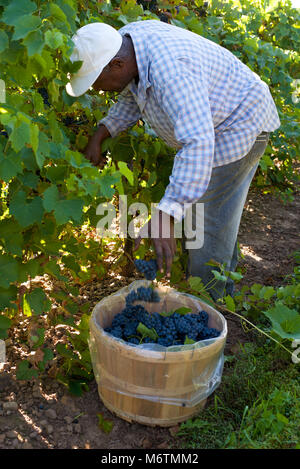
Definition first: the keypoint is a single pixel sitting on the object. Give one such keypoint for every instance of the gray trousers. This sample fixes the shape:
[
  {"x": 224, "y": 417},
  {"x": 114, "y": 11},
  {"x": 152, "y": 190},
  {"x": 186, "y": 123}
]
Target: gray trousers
[{"x": 224, "y": 201}]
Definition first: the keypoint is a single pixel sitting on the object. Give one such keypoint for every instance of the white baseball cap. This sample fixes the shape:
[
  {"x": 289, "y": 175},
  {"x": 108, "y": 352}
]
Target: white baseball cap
[{"x": 95, "y": 45}]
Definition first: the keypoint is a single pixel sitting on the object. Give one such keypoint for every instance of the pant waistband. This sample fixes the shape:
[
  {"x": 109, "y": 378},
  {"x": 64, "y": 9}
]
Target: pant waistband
[{"x": 263, "y": 136}]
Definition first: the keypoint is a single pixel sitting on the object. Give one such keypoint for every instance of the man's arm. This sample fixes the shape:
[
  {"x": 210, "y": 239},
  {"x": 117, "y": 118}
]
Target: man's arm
[
  {"x": 185, "y": 100},
  {"x": 93, "y": 149},
  {"x": 121, "y": 115}
]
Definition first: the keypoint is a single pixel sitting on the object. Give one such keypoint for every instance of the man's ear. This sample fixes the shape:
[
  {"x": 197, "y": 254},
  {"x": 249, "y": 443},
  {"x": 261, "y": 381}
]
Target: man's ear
[{"x": 117, "y": 62}]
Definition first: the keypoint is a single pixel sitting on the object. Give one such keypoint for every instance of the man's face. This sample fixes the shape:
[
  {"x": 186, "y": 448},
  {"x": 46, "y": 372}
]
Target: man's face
[{"x": 114, "y": 77}]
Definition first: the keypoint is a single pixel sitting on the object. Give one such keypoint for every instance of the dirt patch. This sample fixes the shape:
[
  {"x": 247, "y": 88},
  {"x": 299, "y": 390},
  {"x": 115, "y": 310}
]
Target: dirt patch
[{"x": 46, "y": 416}]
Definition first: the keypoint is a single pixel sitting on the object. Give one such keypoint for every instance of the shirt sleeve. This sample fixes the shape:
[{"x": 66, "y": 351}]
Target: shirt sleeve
[
  {"x": 121, "y": 115},
  {"x": 185, "y": 100}
]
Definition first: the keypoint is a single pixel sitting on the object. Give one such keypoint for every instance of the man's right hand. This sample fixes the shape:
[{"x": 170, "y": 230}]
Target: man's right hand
[{"x": 93, "y": 149}]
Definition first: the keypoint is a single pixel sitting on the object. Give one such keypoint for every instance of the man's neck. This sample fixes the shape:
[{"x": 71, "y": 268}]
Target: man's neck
[{"x": 130, "y": 46}]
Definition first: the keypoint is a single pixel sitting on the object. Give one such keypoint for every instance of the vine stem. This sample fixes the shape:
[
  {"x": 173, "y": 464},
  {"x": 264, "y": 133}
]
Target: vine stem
[
  {"x": 255, "y": 327},
  {"x": 223, "y": 308},
  {"x": 129, "y": 257}
]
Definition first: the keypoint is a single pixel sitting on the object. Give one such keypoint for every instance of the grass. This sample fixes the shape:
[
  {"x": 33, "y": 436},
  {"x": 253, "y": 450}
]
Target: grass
[{"x": 257, "y": 405}]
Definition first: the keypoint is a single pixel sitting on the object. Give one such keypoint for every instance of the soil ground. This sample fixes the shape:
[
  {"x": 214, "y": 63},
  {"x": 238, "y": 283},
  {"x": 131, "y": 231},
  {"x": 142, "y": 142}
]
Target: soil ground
[{"x": 44, "y": 415}]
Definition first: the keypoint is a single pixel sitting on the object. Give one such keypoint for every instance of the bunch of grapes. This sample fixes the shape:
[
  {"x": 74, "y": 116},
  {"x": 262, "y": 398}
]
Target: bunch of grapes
[
  {"x": 142, "y": 294},
  {"x": 148, "y": 268},
  {"x": 44, "y": 93},
  {"x": 170, "y": 330}
]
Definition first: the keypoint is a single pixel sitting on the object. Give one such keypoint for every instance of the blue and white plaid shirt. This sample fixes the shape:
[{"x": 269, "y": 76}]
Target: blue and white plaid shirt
[{"x": 199, "y": 98}]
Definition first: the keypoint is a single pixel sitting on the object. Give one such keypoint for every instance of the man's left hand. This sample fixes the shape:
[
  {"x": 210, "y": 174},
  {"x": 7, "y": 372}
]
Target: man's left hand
[{"x": 161, "y": 231}]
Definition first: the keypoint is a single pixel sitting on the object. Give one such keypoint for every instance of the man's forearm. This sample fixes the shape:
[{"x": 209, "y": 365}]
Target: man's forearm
[{"x": 102, "y": 133}]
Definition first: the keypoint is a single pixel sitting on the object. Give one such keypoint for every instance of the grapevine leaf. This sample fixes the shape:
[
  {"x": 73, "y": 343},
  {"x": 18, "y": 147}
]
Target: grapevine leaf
[
  {"x": 189, "y": 341},
  {"x": 285, "y": 321},
  {"x": 25, "y": 372},
  {"x": 57, "y": 13},
  {"x": 236, "y": 276},
  {"x": 106, "y": 184},
  {"x": 196, "y": 284},
  {"x": 3, "y": 41},
  {"x": 9, "y": 167},
  {"x": 126, "y": 172},
  {"x": 8, "y": 270},
  {"x": 5, "y": 322},
  {"x": 34, "y": 42},
  {"x": 229, "y": 303},
  {"x": 19, "y": 136},
  {"x": 50, "y": 198},
  {"x": 218, "y": 276},
  {"x": 104, "y": 425},
  {"x": 25, "y": 212},
  {"x": 38, "y": 301},
  {"x": 146, "y": 332},
  {"x": 7, "y": 296},
  {"x": 25, "y": 25},
  {"x": 17, "y": 9},
  {"x": 266, "y": 293},
  {"x": 183, "y": 310},
  {"x": 64, "y": 210},
  {"x": 54, "y": 39},
  {"x": 65, "y": 352}
]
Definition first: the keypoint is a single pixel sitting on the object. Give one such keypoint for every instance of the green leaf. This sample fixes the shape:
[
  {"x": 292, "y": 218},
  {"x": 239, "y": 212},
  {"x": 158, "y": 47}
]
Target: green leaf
[
  {"x": 218, "y": 276},
  {"x": 41, "y": 150},
  {"x": 104, "y": 425},
  {"x": 8, "y": 270},
  {"x": 26, "y": 307},
  {"x": 188, "y": 341},
  {"x": 266, "y": 293},
  {"x": 64, "y": 210},
  {"x": 19, "y": 136},
  {"x": 14, "y": 244},
  {"x": 5, "y": 322},
  {"x": 57, "y": 13},
  {"x": 25, "y": 372},
  {"x": 63, "y": 350},
  {"x": 3, "y": 41},
  {"x": 25, "y": 25},
  {"x": 54, "y": 38},
  {"x": 229, "y": 303},
  {"x": 38, "y": 301},
  {"x": 34, "y": 141},
  {"x": 106, "y": 183},
  {"x": 196, "y": 284},
  {"x": 10, "y": 166},
  {"x": 183, "y": 310},
  {"x": 146, "y": 332},
  {"x": 285, "y": 321},
  {"x": 255, "y": 289},
  {"x": 34, "y": 42},
  {"x": 76, "y": 388},
  {"x": 17, "y": 9},
  {"x": 236, "y": 276},
  {"x": 126, "y": 172},
  {"x": 7, "y": 296},
  {"x": 25, "y": 212}
]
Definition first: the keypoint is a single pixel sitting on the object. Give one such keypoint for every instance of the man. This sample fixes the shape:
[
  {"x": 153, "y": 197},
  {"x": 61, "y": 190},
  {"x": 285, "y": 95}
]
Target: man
[{"x": 202, "y": 101}]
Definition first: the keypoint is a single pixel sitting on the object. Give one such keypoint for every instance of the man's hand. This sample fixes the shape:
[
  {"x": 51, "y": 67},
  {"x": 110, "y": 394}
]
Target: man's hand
[
  {"x": 161, "y": 231},
  {"x": 93, "y": 149}
]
